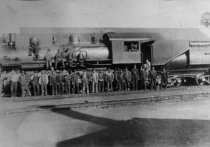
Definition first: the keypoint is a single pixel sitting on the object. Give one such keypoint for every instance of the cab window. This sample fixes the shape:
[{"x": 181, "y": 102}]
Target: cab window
[{"x": 131, "y": 46}]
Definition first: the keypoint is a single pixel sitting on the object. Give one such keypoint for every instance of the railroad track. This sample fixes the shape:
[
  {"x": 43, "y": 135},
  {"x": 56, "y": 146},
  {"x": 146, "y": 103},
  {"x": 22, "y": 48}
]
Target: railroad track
[{"x": 107, "y": 103}]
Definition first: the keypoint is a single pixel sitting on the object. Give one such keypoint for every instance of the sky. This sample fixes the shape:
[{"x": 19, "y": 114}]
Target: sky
[{"x": 102, "y": 13}]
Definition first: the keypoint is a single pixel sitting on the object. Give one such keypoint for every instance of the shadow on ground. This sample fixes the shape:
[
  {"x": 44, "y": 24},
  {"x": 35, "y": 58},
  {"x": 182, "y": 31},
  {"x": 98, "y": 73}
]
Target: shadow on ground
[{"x": 138, "y": 131}]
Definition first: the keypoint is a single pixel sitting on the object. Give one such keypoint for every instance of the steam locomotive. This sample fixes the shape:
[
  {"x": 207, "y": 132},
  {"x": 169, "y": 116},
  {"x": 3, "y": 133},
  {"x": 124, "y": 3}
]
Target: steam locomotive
[
  {"x": 185, "y": 60},
  {"x": 27, "y": 52}
]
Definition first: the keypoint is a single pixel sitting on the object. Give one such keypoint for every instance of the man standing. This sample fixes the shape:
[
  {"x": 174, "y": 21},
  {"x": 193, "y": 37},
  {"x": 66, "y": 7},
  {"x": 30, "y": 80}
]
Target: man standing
[
  {"x": 58, "y": 58},
  {"x": 135, "y": 77},
  {"x": 148, "y": 65},
  {"x": 53, "y": 82},
  {"x": 85, "y": 82},
  {"x": 24, "y": 85},
  {"x": 35, "y": 80},
  {"x": 121, "y": 79},
  {"x": 7, "y": 83},
  {"x": 14, "y": 80},
  {"x": 143, "y": 77},
  {"x": 153, "y": 77},
  {"x": 101, "y": 81},
  {"x": 74, "y": 81},
  {"x": 44, "y": 82},
  {"x": 70, "y": 56},
  {"x": 67, "y": 82},
  {"x": 59, "y": 80},
  {"x": 110, "y": 78},
  {"x": 1, "y": 82},
  {"x": 95, "y": 82},
  {"x": 116, "y": 80},
  {"x": 48, "y": 58},
  {"x": 127, "y": 76},
  {"x": 164, "y": 78}
]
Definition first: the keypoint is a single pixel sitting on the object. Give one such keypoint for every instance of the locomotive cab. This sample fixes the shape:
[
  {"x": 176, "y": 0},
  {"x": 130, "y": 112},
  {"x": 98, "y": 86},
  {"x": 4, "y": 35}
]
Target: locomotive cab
[{"x": 131, "y": 48}]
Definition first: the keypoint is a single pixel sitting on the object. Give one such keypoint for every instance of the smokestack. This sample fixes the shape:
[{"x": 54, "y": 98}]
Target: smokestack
[
  {"x": 12, "y": 37},
  {"x": 11, "y": 42}
]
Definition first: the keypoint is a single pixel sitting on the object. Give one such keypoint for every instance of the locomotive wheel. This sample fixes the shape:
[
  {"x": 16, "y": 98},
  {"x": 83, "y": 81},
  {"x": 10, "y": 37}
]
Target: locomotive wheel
[
  {"x": 208, "y": 80},
  {"x": 178, "y": 83},
  {"x": 199, "y": 81}
]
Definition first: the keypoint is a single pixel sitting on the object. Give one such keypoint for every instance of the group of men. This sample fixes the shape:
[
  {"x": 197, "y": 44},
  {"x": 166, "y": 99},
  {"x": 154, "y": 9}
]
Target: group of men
[
  {"x": 63, "y": 56},
  {"x": 57, "y": 82}
]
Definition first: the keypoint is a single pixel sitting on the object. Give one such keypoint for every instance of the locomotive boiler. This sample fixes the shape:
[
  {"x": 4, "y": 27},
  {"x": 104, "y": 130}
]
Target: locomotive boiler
[
  {"x": 90, "y": 56},
  {"x": 94, "y": 53}
]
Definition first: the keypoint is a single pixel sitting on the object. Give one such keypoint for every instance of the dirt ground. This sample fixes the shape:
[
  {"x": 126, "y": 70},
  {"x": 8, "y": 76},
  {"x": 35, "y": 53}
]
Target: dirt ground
[{"x": 158, "y": 124}]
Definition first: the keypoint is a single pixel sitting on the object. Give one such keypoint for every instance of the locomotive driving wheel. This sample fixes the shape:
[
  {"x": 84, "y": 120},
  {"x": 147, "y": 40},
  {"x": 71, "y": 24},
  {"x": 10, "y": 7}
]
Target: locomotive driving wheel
[
  {"x": 175, "y": 81},
  {"x": 199, "y": 80},
  {"x": 178, "y": 82}
]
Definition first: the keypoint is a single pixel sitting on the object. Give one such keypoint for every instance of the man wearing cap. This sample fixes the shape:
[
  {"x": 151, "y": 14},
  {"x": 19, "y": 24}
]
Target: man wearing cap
[
  {"x": 116, "y": 80},
  {"x": 24, "y": 84},
  {"x": 143, "y": 77},
  {"x": 95, "y": 81},
  {"x": 59, "y": 80},
  {"x": 74, "y": 81},
  {"x": 44, "y": 82},
  {"x": 127, "y": 77},
  {"x": 14, "y": 81},
  {"x": 53, "y": 82},
  {"x": 121, "y": 79},
  {"x": 164, "y": 78},
  {"x": 101, "y": 81},
  {"x": 153, "y": 77},
  {"x": 148, "y": 65},
  {"x": 85, "y": 82},
  {"x": 110, "y": 78},
  {"x": 58, "y": 58},
  {"x": 67, "y": 81},
  {"x": 1, "y": 82},
  {"x": 48, "y": 57},
  {"x": 135, "y": 77},
  {"x": 35, "y": 81}
]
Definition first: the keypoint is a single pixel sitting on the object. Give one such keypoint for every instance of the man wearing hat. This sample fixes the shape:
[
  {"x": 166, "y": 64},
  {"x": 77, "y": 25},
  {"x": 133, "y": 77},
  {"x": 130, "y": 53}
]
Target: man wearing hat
[
  {"x": 101, "y": 81},
  {"x": 95, "y": 81},
  {"x": 74, "y": 81},
  {"x": 44, "y": 82},
  {"x": 59, "y": 80},
  {"x": 164, "y": 78},
  {"x": 153, "y": 77},
  {"x": 135, "y": 77},
  {"x": 48, "y": 57},
  {"x": 127, "y": 75},
  {"x": 143, "y": 77},
  {"x": 35, "y": 81},
  {"x": 67, "y": 81},
  {"x": 85, "y": 82},
  {"x": 24, "y": 84},
  {"x": 53, "y": 82}
]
